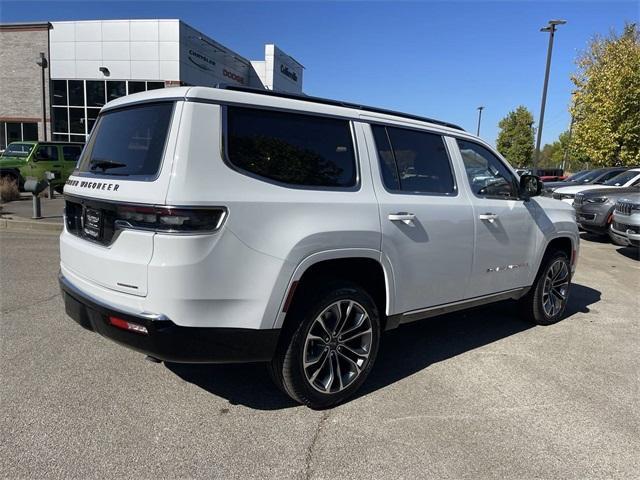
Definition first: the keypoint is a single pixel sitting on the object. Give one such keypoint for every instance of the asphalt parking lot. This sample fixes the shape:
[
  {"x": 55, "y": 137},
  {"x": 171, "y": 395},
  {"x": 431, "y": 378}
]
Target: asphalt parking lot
[{"x": 471, "y": 395}]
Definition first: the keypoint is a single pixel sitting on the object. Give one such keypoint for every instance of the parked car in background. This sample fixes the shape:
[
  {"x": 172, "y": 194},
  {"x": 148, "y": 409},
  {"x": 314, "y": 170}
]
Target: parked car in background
[
  {"x": 227, "y": 225},
  {"x": 629, "y": 178},
  {"x": 30, "y": 160},
  {"x": 586, "y": 177},
  {"x": 625, "y": 228},
  {"x": 523, "y": 171},
  {"x": 594, "y": 208}
]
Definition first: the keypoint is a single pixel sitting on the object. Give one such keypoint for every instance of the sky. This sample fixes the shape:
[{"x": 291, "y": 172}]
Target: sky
[{"x": 437, "y": 59}]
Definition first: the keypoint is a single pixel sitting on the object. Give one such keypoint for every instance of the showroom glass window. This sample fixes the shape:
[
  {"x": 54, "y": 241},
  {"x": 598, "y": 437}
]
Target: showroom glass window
[
  {"x": 17, "y": 132},
  {"x": 413, "y": 161},
  {"x": 76, "y": 104},
  {"x": 291, "y": 148}
]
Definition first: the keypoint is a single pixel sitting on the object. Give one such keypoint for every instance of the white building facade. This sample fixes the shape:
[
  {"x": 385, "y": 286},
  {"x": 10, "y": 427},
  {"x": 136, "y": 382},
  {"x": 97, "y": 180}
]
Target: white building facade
[{"x": 93, "y": 62}]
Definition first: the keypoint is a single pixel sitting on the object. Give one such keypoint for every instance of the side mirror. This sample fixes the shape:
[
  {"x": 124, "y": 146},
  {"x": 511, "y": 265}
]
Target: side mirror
[{"x": 530, "y": 186}]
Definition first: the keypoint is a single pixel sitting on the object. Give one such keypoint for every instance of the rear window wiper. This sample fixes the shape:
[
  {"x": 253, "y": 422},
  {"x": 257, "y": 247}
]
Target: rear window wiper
[{"x": 105, "y": 164}]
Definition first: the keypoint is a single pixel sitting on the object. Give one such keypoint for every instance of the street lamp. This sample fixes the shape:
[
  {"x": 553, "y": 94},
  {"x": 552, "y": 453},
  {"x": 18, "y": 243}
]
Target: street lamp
[
  {"x": 480, "y": 108},
  {"x": 551, "y": 28},
  {"x": 42, "y": 62}
]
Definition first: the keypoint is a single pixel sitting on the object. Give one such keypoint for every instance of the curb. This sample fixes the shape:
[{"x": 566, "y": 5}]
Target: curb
[{"x": 12, "y": 224}]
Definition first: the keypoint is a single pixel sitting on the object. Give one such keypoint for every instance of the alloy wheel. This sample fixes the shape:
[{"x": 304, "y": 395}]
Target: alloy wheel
[
  {"x": 337, "y": 346},
  {"x": 556, "y": 288}
]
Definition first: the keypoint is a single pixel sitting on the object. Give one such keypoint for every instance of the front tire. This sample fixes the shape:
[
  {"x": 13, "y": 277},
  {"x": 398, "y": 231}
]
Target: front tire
[
  {"x": 330, "y": 352},
  {"x": 546, "y": 301}
]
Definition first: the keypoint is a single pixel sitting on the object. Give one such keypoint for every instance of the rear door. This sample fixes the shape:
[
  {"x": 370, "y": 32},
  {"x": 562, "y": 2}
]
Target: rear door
[
  {"x": 426, "y": 221},
  {"x": 504, "y": 227},
  {"x": 123, "y": 173}
]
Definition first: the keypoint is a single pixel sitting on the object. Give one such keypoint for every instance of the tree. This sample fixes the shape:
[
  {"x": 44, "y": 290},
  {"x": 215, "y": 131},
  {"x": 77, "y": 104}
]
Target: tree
[
  {"x": 552, "y": 155},
  {"x": 606, "y": 103},
  {"x": 515, "y": 140}
]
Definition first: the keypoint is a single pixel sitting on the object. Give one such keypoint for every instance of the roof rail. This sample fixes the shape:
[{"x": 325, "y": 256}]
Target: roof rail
[{"x": 338, "y": 103}]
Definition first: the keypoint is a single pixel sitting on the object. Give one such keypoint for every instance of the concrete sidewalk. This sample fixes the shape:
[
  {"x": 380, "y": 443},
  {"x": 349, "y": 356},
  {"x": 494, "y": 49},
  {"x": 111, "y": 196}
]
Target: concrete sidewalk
[{"x": 18, "y": 214}]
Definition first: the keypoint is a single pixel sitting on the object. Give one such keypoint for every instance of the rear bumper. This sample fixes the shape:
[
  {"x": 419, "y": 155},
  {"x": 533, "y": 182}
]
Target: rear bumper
[{"x": 167, "y": 341}]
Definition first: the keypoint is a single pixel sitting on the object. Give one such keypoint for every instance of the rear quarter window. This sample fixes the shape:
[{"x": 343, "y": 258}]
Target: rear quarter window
[
  {"x": 128, "y": 141},
  {"x": 291, "y": 148}
]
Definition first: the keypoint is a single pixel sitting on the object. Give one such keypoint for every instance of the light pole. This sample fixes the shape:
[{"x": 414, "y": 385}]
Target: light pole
[
  {"x": 480, "y": 108},
  {"x": 42, "y": 62},
  {"x": 551, "y": 28}
]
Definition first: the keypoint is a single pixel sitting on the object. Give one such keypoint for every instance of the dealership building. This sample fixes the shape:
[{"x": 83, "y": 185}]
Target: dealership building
[{"x": 55, "y": 76}]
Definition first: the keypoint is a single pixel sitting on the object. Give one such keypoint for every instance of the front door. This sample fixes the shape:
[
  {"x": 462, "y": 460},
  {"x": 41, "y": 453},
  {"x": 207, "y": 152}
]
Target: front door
[
  {"x": 504, "y": 226},
  {"x": 426, "y": 221},
  {"x": 46, "y": 159}
]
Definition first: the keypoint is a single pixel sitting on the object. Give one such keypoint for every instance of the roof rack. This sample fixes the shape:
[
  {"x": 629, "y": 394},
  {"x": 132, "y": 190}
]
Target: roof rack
[{"x": 337, "y": 103}]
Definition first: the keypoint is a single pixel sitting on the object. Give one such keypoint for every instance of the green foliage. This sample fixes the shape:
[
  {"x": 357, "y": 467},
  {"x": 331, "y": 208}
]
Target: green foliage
[
  {"x": 552, "y": 155},
  {"x": 606, "y": 104},
  {"x": 515, "y": 140}
]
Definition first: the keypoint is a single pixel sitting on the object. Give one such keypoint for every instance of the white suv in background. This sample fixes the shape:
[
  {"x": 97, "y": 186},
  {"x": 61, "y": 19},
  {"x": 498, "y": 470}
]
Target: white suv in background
[
  {"x": 230, "y": 225},
  {"x": 625, "y": 228}
]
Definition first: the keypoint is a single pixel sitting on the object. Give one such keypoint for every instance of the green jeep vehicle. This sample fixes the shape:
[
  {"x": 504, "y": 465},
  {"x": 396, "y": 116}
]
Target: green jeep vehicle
[{"x": 23, "y": 161}]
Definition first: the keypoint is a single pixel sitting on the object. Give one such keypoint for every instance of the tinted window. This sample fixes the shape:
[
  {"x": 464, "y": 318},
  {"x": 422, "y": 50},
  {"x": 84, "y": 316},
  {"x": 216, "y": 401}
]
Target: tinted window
[
  {"x": 116, "y": 90},
  {"x": 76, "y": 92},
  {"x": 608, "y": 176},
  {"x": 29, "y": 131},
  {"x": 388, "y": 168},
  {"x": 47, "y": 153},
  {"x": 76, "y": 120},
  {"x": 488, "y": 177},
  {"x": 413, "y": 161},
  {"x": 95, "y": 93},
  {"x": 59, "y": 92},
  {"x": 135, "y": 87},
  {"x": 622, "y": 178},
  {"x": 291, "y": 148},
  {"x": 129, "y": 141},
  {"x": 71, "y": 153}
]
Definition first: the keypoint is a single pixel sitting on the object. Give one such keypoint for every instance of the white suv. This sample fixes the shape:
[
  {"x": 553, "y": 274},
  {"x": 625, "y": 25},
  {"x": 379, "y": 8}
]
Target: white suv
[
  {"x": 625, "y": 228},
  {"x": 228, "y": 225}
]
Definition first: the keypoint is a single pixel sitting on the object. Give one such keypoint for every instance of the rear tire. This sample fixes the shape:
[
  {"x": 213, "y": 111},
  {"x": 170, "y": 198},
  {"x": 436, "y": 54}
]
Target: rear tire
[
  {"x": 329, "y": 353},
  {"x": 545, "y": 303}
]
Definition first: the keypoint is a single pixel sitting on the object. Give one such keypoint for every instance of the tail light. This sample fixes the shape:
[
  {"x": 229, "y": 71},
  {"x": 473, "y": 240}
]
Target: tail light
[{"x": 170, "y": 219}]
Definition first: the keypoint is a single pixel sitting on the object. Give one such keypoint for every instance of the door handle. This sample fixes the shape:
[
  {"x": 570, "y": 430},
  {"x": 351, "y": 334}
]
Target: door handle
[
  {"x": 490, "y": 217},
  {"x": 406, "y": 218}
]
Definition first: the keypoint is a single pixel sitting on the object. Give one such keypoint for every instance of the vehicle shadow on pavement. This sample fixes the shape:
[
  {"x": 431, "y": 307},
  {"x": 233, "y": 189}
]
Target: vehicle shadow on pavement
[
  {"x": 630, "y": 252},
  {"x": 403, "y": 352}
]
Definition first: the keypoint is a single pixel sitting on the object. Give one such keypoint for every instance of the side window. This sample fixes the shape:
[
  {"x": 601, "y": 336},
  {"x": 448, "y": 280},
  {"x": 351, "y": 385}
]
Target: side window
[
  {"x": 488, "y": 177},
  {"x": 292, "y": 148},
  {"x": 609, "y": 175},
  {"x": 71, "y": 154},
  {"x": 47, "y": 153},
  {"x": 413, "y": 161}
]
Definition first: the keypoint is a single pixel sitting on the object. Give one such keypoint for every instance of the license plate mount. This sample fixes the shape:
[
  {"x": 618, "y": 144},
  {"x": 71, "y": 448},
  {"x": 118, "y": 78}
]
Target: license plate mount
[{"x": 92, "y": 225}]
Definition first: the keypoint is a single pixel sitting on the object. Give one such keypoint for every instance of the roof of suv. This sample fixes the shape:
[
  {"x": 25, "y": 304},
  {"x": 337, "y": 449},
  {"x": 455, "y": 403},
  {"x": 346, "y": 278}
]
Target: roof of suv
[{"x": 266, "y": 98}]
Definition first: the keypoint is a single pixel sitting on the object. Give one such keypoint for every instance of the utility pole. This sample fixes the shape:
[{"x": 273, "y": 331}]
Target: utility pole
[
  {"x": 551, "y": 28},
  {"x": 480, "y": 108}
]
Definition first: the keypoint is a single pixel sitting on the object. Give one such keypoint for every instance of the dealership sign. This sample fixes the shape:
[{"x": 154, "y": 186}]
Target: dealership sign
[
  {"x": 233, "y": 76},
  {"x": 284, "y": 69},
  {"x": 201, "y": 61}
]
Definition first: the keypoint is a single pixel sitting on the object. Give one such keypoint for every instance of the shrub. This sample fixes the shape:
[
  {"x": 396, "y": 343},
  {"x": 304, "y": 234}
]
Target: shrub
[{"x": 9, "y": 189}]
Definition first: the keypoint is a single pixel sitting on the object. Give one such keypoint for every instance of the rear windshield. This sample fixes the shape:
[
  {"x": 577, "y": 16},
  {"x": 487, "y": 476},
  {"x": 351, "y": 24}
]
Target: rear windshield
[{"x": 128, "y": 141}]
